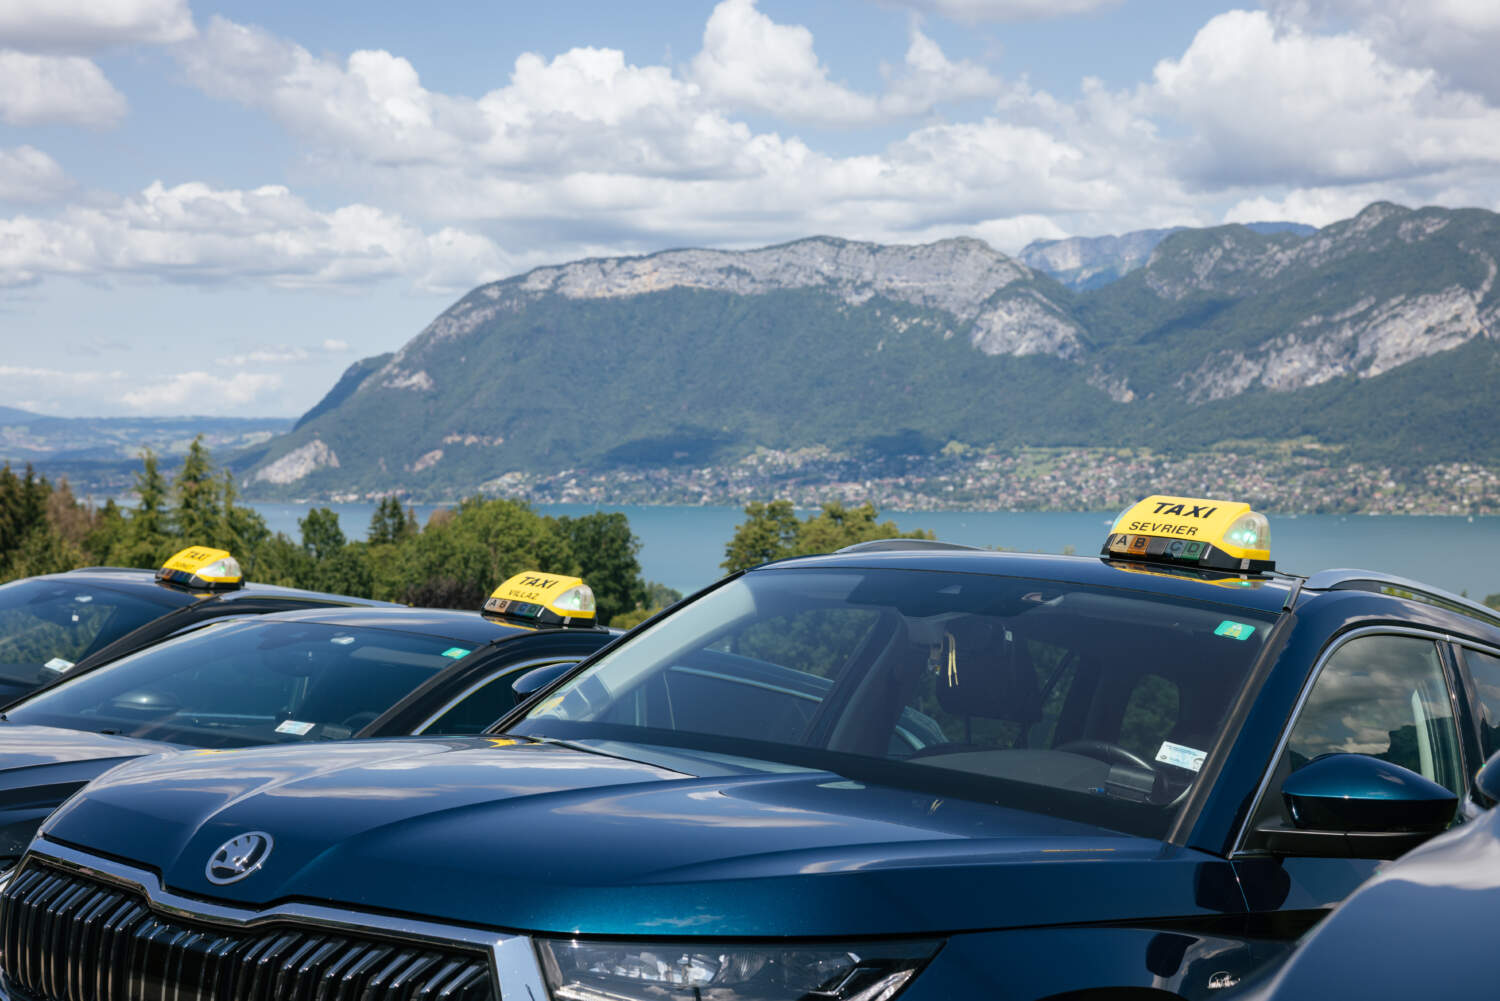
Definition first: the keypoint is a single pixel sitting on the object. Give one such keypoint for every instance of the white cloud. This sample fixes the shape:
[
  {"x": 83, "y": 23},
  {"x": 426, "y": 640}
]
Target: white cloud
[
  {"x": 1456, "y": 38},
  {"x": 1314, "y": 206},
  {"x": 263, "y": 356},
  {"x": 69, "y": 377},
  {"x": 930, "y": 78},
  {"x": 29, "y": 175},
  {"x": 334, "y": 346},
  {"x": 1003, "y": 10},
  {"x": 199, "y": 392},
  {"x": 37, "y": 90},
  {"x": 1288, "y": 107},
  {"x": 80, "y": 25},
  {"x": 748, "y": 60},
  {"x": 372, "y": 105},
  {"x": 194, "y": 233},
  {"x": 583, "y": 153}
]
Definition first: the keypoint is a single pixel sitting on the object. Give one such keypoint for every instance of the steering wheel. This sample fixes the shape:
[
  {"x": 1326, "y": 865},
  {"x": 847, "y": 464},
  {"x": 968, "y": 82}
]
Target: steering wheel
[{"x": 1110, "y": 754}]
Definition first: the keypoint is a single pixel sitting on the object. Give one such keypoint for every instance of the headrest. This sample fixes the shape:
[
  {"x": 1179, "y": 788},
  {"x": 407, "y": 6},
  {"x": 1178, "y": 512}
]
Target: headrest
[{"x": 983, "y": 669}]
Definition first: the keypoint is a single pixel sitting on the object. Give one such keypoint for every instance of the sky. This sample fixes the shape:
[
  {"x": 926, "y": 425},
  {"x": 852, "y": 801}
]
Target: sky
[{"x": 215, "y": 208}]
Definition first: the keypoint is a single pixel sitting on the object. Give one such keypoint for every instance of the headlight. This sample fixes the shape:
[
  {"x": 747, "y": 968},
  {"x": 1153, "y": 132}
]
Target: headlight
[{"x": 635, "y": 971}]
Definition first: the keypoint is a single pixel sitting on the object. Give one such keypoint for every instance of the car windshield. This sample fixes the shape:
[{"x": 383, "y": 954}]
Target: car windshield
[
  {"x": 1096, "y": 704},
  {"x": 48, "y": 624},
  {"x": 249, "y": 682}
]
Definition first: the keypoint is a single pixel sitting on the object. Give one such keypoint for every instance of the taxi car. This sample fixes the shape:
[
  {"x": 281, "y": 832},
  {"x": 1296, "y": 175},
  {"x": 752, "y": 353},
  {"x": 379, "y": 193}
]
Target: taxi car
[
  {"x": 1141, "y": 774},
  {"x": 284, "y": 677},
  {"x": 1422, "y": 927},
  {"x": 67, "y": 623}
]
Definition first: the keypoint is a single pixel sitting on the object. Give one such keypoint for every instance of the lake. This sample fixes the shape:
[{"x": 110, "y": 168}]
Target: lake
[{"x": 682, "y": 546}]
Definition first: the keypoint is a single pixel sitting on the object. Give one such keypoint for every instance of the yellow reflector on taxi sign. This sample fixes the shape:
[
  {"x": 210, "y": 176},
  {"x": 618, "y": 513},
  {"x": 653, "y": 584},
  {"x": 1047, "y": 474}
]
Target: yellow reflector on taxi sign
[
  {"x": 1224, "y": 535},
  {"x": 204, "y": 568},
  {"x": 543, "y": 599}
]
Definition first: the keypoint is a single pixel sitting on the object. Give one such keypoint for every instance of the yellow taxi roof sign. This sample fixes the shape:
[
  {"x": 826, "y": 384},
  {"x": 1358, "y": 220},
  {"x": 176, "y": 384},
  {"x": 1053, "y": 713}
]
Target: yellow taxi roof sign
[
  {"x": 543, "y": 599},
  {"x": 202, "y": 567},
  {"x": 1194, "y": 531}
]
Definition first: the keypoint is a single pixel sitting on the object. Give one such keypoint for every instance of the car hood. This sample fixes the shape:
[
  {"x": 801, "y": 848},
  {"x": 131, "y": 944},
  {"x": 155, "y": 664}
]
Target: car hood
[
  {"x": 551, "y": 838},
  {"x": 40, "y": 766}
]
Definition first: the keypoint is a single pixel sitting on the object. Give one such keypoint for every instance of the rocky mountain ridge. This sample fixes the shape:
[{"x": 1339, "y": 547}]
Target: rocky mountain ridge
[
  {"x": 1089, "y": 262},
  {"x": 692, "y": 356}
]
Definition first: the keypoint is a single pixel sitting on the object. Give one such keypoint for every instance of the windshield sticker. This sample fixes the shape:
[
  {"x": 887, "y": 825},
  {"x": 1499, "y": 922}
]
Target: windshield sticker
[
  {"x": 1182, "y": 757},
  {"x": 296, "y": 728},
  {"x": 456, "y": 652},
  {"x": 1234, "y": 630},
  {"x": 58, "y": 664}
]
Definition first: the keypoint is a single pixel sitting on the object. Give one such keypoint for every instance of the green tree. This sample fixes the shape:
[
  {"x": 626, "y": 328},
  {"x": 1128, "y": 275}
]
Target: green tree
[
  {"x": 107, "y": 534},
  {"x": 390, "y": 524},
  {"x": 836, "y": 526},
  {"x": 322, "y": 537},
  {"x": 197, "y": 514},
  {"x": 769, "y": 532},
  {"x": 773, "y": 531},
  {"x": 23, "y": 508},
  {"x": 244, "y": 528},
  {"x": 605, "y": 551},
  {"x": 658, "y": 597},
  {"x": 464, "y": 554}
]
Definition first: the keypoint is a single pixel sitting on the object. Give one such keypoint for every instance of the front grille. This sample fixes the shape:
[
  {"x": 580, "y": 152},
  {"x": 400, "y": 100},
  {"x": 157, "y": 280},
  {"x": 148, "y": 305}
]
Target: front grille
[{"x": 66, "y": 937}]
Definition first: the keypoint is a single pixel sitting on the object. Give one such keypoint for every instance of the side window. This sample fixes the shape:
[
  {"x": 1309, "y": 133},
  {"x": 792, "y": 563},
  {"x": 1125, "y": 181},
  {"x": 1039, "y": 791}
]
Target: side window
[
  {"x": 1485, "y": 670},
  {"x": 481, "y": 706},
  {"x": 1384, "y": 696}
]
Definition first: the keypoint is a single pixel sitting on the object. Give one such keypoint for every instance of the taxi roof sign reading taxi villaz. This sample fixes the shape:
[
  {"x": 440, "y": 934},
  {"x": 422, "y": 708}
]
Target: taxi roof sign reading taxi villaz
[
  {"x": 543, "y": 599},
  {"x": 1192, "y": 531},
  {"x": 202, "y": 568}
]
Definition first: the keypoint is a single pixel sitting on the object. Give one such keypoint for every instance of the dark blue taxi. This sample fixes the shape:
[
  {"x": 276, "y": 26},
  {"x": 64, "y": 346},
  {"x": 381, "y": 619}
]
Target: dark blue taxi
[
  {"x": 65, "y": 624},
  {"x": 932, "y": 773},
  {"x": 1422, "y": 927}
]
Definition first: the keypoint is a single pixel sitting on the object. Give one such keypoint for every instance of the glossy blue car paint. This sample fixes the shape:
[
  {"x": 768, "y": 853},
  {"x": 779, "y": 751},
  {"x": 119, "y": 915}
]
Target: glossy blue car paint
[
  {"x": 40, "y": 766},
  {"x": 634, "y": 841},
  {"x": 1423, "y": 927}
]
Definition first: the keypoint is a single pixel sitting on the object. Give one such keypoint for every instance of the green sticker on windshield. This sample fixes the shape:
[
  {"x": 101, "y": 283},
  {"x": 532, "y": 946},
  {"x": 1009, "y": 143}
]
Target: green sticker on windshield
[
  {"x": 1234, "y": 630},
  {"x": 456, "y": 652}
]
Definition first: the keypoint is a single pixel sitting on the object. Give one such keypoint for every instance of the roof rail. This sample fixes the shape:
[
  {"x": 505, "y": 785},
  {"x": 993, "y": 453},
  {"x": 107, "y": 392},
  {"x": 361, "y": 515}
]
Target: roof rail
[
  {"x": 900, "y": 545},
  {"x": 1340, "y": 580}
]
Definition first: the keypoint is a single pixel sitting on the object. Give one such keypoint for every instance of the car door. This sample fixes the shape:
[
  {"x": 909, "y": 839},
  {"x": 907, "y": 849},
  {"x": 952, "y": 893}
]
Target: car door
[{"x": 1383, "y": 692}]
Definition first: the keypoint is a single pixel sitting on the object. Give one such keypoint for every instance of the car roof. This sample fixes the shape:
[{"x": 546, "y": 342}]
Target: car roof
[
  {"x": 1263, "y": 592},
  {"x": 460, "y": 624},
  {"x": 135, "y": 579}
]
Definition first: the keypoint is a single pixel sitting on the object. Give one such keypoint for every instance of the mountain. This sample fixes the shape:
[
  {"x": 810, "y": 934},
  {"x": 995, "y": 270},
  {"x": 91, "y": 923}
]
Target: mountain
[
  {"x": 102, "y": 454},
  {"x": 1089, "y": 262},
  {"x": 1376, "y": 336}
]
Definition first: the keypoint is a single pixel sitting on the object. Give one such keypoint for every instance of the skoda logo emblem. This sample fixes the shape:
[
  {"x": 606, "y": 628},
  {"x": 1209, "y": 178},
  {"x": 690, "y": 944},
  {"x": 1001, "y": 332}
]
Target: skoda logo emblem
[{"x": 238, "y": 858}]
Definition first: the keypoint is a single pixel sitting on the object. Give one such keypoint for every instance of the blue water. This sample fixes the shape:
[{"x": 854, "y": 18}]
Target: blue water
[{"x": 682, "y": 546}]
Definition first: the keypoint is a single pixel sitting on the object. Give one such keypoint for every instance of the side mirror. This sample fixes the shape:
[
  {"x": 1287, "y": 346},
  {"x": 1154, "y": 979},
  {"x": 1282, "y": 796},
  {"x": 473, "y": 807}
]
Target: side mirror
[
  {"x": 1357, "y": 806},
  {"x": 538, "y": 678},
  {"x": 1488, "y": 779}
]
